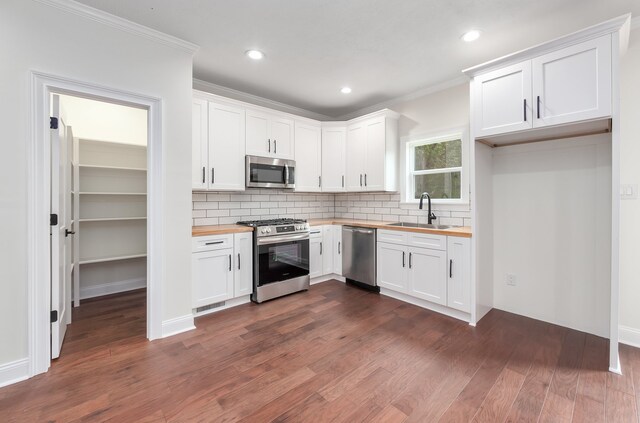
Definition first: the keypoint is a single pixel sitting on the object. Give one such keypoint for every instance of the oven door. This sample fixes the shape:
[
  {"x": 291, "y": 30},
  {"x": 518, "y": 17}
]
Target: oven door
[
  {"x": 279, "y": 258},
  {"x": 263, "y": 172}
]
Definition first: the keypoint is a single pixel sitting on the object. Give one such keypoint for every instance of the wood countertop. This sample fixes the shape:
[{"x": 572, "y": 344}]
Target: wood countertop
[
  {"x": 462, "y": 231},
  {"x": 219, "y": 230}
]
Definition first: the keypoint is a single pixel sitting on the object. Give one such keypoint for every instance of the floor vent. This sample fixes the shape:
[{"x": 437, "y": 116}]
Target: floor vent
[{"x": 210, "y": 306}]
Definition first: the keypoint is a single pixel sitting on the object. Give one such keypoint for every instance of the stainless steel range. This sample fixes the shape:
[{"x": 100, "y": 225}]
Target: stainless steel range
[{"x": 280, "y": 257}]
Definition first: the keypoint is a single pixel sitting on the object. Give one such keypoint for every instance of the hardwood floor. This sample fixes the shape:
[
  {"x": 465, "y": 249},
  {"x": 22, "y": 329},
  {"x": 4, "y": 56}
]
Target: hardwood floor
[{"x": 333, "y": 354}]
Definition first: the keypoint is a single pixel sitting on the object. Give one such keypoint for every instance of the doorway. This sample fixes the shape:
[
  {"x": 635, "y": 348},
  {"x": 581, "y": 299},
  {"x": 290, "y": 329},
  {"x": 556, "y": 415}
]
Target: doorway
[{"x": 40, "y": 228}]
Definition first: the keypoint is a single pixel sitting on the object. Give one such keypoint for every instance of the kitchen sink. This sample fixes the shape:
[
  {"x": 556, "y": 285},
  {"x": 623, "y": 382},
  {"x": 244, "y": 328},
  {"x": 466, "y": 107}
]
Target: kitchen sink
[{"x": 422, "y": 225}]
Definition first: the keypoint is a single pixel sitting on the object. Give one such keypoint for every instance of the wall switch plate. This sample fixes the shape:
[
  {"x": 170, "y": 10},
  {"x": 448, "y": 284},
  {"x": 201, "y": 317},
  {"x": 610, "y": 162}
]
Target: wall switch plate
[
  {"x": 511, "y": 279},
  {"x": 629, "y": 192}
]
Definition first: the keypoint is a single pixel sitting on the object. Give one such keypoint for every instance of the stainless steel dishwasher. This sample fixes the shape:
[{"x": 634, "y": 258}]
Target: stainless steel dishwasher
[{"x": 359, "y": 256}]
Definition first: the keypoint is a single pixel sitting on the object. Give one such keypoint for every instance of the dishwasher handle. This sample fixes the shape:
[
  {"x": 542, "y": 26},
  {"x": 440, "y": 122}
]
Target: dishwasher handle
[{"x": 358, "y": 230}]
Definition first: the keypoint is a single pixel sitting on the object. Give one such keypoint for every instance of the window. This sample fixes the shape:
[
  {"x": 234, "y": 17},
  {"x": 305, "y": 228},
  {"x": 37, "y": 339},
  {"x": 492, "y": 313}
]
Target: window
[{"x": 437, "y": 165}]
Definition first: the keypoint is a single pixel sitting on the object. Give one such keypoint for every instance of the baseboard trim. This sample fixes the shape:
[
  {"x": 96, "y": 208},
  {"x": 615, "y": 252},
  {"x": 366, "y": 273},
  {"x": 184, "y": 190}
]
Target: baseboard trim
[
  {"x": 331, "y": 276},
  {"x": 629, "y": 336},
  {"x": 460, "y": 315},
  {"x": 111, "y": 288},
  {"x": 14, "y": 372},
  {"x": 177, "y": 325}
]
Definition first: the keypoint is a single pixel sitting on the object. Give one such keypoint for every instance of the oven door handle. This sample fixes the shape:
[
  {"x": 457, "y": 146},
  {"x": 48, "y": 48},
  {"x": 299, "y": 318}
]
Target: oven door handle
[{"x": 279, "y": 239}]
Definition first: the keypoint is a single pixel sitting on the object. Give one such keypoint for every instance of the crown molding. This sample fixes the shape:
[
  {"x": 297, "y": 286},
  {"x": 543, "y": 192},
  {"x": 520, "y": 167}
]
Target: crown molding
[
  {"x": 219, "y": 90},
  {"x": 407, "y": 97},
  {"x": 117, "y": 22}
]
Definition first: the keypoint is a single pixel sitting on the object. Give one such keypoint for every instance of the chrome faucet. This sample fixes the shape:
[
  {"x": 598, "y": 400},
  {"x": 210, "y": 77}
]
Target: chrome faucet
[{"x": 430, "y": 216}]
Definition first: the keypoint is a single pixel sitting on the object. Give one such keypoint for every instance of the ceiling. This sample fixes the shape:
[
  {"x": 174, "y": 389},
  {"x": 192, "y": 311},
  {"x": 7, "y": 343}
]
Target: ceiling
[{"x": 381, "y": 49}]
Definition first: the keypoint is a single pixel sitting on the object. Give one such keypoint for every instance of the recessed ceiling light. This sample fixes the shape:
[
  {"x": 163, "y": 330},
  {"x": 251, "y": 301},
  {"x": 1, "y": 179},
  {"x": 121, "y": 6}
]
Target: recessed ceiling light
[
  {"x": 254, "y": 54},
  {"x": 345, "y": 90},
  {"x": 472, "y": 35}
]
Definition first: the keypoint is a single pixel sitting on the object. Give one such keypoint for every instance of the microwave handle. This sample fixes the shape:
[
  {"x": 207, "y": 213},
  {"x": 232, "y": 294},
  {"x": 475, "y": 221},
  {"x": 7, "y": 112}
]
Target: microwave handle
[{"x": 286, "y": 174}]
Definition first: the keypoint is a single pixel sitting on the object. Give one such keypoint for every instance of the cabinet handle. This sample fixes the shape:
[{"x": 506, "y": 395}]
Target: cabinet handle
[
  {"x": 213, "y": 175},
  {"x": 525, "y": 109},
  {"x": 342, "y": 181},
  {"x": 365, "y": 179},
  {"x": 269, "y": 140},
  {"x": 361, "y": 179},
  {"x": 229, "y": 262},
  {"x": 275, "y": 147},
  {"x": 538, "y": 100},
  {"x": 213, "y": 242},
  {"x": 321, "y": 248},
  {"x": 238, "y": 261},
  {"x": 410, "y": 260},
  {"x": 451, "y": 268},
  {"x": 403, "y": 259},
  {"x": 339, "y": 247},
  {"x": 203, "y": 172},
  {"x": 319, "y": 181}
]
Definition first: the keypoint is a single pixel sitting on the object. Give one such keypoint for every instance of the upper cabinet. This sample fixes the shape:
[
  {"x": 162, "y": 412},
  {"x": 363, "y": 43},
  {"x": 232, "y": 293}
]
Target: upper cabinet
[
  {"x": 269, "y": 135},
  {"x": 566, "y": 85},
  {"x": 199, "y": 144},
  {"x": 372, "y": 153},
  {"x": 334, "y": 159},
  {"x": 308, "y": 148}
]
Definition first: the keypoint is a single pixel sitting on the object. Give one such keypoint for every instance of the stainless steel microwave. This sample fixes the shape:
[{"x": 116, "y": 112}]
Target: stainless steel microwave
[{"x": 265, "y": 172}]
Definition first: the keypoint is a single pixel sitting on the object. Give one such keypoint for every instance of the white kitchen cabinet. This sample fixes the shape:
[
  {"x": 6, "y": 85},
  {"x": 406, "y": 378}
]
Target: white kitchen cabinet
[
  {"x": 327, "y": 249},
  {"x": 212, "y": 277},
  {"x": 573, "y": 84},
  {"x": 269, "y": 135},
  {"x": 502, "y": 100},
  {"x": 391, "y": 266},
  {"x": 337, "y": 249},
  {"x": 372, "y": 154},
  {"x": 316, "y": 264},
  {"x": 427, "y": 275},
  {"x": 243, "y": 268},
  {"x": 199, "y": 144},
  {"x": 226, "y": 147},
  {"x": 459, "y": 273},
  {"x": 334, "y": 141},
  {"x": 308, "y": 152}
]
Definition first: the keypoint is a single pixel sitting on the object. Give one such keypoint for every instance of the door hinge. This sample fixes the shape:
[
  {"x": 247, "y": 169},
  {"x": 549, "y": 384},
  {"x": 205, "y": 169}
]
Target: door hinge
[
  {"x": 53, "y": 219},
  {"x": 53, "y": 122},
  {"x": 54, "y": 316}
]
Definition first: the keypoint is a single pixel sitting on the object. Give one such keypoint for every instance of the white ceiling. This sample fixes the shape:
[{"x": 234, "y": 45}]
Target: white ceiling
[{"x": 382, "y": 49}]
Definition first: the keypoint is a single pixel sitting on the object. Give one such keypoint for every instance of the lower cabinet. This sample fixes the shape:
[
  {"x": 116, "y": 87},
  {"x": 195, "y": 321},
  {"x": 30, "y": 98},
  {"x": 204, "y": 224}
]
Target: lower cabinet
[
  {"x": 315, "y": 252},
  {"x": 325, "y": 250},
  {"x": 337, "y": 249},
  {"x": 427, "y": 277},
  {"x": 391, "y": 265},
  {"x": 222, "y": 268},
  {"x": 459, "y": 273}
]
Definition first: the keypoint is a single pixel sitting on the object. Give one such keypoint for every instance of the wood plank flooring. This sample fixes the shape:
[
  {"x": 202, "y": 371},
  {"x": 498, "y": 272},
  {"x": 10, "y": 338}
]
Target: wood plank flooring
[{"x": 332, "y": 354}]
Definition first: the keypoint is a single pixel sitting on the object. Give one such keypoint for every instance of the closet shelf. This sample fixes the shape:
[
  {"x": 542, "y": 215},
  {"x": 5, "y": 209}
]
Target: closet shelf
[
  {"x": 111, "y": 193},
  {"x": 112, "y": 219},
  {"x": 116, "y": 168},
  {"x": 90, "y": 260}
]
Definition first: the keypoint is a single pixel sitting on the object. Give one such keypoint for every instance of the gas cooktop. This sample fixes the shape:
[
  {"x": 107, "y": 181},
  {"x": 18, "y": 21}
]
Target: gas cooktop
[{"x": 271, "y": 222}]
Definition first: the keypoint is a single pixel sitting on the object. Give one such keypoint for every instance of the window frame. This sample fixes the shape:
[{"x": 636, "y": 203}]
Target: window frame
[{"x": 411, "y": 142}]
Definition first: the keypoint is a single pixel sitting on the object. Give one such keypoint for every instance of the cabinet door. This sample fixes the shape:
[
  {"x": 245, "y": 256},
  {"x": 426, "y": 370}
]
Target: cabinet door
[
  {"x": 243, "y": 268},
  {"x": 391, "y": 266},
  {"x": 459, "y": 273},
  {"x": 333, "y": 159},
  {"x": 315, "y": 257},
  {"x": 199, "y": 177},
  {"x": 258, "y": 142},
  {"x": 337, "y": 249},
  {"x": 502, "y": 100},
  {"x": 428, "y": 274},
  {"x": 212, "y": 277},
  {"x": 308, "y": 155},
  {"x": 327, "y": 249},
  {"x": 375, "y": 139},
  {"x": 356, "y": 157},
  {"x": 281, "y": 133},
  {"x": 573, "y": 84},
  {"x": 226, "y": 147}
]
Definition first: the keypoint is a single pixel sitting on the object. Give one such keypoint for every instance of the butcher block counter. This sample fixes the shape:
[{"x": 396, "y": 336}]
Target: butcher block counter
[{"x": 460, "y": 231}]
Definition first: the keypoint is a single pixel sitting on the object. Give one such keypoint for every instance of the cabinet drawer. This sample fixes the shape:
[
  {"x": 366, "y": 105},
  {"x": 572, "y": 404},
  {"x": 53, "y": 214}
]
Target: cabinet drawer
[
  {"x": 394, "y": 237},
  {"x": 210, "y": 243},
  {"x": 315, "y": 232},
  {"x": 435, "y": 242}
]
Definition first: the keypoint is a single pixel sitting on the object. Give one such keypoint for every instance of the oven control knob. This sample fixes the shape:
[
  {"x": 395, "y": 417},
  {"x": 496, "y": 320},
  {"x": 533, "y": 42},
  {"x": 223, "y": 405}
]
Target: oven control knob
[
  {"x": 268, "y": 230},
  {"x": 263, "y": 230}
]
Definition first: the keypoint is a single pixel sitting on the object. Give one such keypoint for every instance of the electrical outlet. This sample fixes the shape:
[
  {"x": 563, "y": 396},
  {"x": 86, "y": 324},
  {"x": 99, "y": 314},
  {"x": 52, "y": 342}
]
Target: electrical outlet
[
  {"x": 629, "y": 192},
  {"x": 511, "y": 279}
]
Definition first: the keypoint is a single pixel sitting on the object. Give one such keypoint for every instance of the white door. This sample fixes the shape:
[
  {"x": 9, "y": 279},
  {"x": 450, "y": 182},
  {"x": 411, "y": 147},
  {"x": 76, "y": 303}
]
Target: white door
[
  {"x": 282, "y": 137},
  {"x": 243, "y": 269},
  {"x": 61, "y": 255},
  {"x": 258, "y": 141},
  {"x": 356, "y": 157},
  {"x": 226, "y": 147},
  {"x": 375, "y": 157},
  {"x": 392, "y": 266},
  {"x": 315, "y": 255},
  {"x": 308, "y": 155},
  {"x": 428, "y": 274},
  {"x": 459, "y": 273},
  {"x": 503, "y": 100},
  {"x": 327, "y": 249},
  {"x": 76, "y": 222},
  {"x": 333, "y": 159},
  {"x": 199, "y": 145},
  {"x": 212, "y": 273},
  {"x": 573, "y": 84},
  {"x": 337, "y": 249}
]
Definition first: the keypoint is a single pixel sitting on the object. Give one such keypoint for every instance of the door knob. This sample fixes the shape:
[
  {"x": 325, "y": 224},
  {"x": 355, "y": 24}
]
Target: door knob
[{"x": 67, "y": 232}]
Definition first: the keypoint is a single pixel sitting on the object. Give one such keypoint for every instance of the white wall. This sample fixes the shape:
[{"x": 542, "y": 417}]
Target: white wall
[
  {"x": 551, "y": 227},
  {"x": 630, "y": 209},
  {"x": 43, "y": 38},
  {"x": 102, "y": 121}
]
